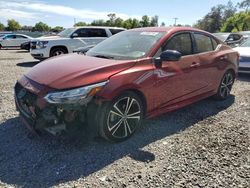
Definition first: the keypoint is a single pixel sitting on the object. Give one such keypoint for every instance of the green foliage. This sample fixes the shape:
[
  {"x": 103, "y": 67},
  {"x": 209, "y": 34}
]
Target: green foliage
[
  {"x": 244, "y": 5},
  {"x": 154, "y": 21},
  {"x": 57, "y": 29},
  {"x": 40, "y": 26},
  {"x": 237, "y": 22},
  {"x": 2, "y": 27},
  {"x": 213, "y": 21},
  {"x": 145, "y": 22},
  {"x": 13, "y": 25},
  {"x": 79, "y": 24}
]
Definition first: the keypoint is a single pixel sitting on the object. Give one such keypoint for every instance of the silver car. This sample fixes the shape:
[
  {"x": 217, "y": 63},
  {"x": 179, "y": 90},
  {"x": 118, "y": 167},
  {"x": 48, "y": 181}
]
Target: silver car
[
  {"x": 244, "y": 51},
  {"x": 13, "y": 40}
]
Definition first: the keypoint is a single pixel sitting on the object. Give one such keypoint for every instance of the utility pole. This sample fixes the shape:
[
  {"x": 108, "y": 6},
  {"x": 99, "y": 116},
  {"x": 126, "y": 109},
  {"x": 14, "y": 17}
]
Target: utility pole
[{"x": 175, "y": 19}]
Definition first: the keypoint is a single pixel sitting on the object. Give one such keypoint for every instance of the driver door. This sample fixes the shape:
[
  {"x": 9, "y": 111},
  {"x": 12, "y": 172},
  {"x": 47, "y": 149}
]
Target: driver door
[{"x": 178, "y": 80}]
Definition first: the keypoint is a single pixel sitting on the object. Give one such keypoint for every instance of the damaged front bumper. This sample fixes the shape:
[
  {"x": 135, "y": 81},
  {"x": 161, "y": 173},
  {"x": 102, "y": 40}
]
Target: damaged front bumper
[{"x": 38, "y": 114}]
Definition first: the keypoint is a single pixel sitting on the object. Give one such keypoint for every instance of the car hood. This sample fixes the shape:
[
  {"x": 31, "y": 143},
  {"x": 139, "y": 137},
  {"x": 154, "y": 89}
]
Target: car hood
[
  {"x": 74, "y": 70},
  {"x": 49, "y": 38},
  {"x": 243, "y": 51}
]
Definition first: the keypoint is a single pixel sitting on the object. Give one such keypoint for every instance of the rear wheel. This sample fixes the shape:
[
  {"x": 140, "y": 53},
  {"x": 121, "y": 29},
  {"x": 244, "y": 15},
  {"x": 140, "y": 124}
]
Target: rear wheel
[
  {"x": 121, "y": 118},
  {"x": 225, "y": 86},
  {"x": 57, "y": 52}
]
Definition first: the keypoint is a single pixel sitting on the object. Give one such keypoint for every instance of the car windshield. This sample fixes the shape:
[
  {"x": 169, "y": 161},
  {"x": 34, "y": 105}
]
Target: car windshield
[
  {"x": 66, "y": 32},
  {"x": 221, "y": 36},
  {"x": 246, "y": 43},
  {"x": 126, "y": 45}
]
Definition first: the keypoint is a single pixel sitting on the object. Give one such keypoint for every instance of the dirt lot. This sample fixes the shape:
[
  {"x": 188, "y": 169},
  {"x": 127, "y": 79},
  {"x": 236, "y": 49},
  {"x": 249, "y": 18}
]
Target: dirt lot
[{"x": 202, "y": 145}]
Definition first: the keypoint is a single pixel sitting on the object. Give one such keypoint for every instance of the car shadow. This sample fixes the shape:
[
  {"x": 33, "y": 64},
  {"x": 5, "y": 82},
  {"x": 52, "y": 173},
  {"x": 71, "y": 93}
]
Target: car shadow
[
  {"x": 22, "y": 51},
  {"x": 45, "y": 161},
  {"x": 244, "y": 77},
  {"x": 28, "y": 64}
]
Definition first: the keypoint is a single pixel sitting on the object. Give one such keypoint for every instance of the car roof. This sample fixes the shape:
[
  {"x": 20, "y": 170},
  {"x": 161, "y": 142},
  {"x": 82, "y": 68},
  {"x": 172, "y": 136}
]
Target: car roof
[
  {"x": 168, "y": 29},
  {"x": 99, "y": 27}
]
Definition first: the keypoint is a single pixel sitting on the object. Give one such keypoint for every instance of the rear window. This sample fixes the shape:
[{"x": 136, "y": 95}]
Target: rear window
[
  {"x": 203, "y": 43},
  {"x": 115, "y": 31}
]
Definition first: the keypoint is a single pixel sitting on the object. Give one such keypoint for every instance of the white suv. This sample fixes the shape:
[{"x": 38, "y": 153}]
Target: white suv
[{"x": 70, "y": 39}]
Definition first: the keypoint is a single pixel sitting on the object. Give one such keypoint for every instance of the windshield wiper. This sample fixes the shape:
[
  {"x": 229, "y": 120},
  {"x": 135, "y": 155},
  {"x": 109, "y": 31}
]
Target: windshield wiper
[{"x": 104, "y": 56}]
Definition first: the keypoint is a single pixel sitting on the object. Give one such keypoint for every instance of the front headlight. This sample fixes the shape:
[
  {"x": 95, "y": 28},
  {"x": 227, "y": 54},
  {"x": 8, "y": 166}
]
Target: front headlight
[
  {"x": 41, "y": 44},
  {"x": 79, "y": 95}
]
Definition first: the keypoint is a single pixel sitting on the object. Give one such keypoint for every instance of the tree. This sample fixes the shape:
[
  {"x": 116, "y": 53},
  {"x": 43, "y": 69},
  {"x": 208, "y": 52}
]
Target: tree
[
  {"x": 98, "y": 23},
  {"x": 214, "y": 20},
  {"x": 57, "y": 29},
  {"x": 154, "y": 21},
  {"x": 42, "y": 27},
  {"x": 163, "y": 24},
  {"x": 145, "y": 22},
  {"x": 244, "y": 5},
  {"x": 237, "y": 22},
  {"x": 26, "y": 28},
  {"x": 13, "y": 25},
  {"x": 118, "y": 22},
  {"x": 2, "y": 27},
  {"x": 78, "y": 24}
]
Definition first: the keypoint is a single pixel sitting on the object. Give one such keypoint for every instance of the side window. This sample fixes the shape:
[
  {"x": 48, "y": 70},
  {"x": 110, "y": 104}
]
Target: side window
[
  {"x": 215, "y": 44},
  {"x": 82, "y": 33},
  {"x": 97, "y": 33},
  {"x": 20, "y": 37},
  {"x": 203, "y": 43},
  {"x": 115, "y": 31},
  {"x": 181, "y": 42},
  {"x": 10, "y": 37},
  {"x": 236, "y": 37}
]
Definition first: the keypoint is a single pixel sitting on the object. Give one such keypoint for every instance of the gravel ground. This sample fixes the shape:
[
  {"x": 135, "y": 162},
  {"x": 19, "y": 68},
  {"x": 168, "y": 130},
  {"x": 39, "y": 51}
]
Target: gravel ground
[{"x": 202, "y": 145}]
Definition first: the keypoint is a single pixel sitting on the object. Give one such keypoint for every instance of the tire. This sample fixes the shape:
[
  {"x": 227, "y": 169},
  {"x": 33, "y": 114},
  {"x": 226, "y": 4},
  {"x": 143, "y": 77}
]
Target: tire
[
  {"x": 225, "y": 86},
  {"x": 119, "y": 119},
  {"x": 58, "y": 51}
]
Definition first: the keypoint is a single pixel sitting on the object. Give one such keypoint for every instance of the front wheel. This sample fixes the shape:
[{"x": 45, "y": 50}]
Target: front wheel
[
  {"x": 57, "y": 52},
  {"x": 225, "y": 86},
  {"x": 120, "y": 118}
]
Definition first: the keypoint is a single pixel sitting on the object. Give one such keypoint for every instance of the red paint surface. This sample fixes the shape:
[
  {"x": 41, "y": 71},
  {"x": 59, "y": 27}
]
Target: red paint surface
[{"x": 164, "y": 89}]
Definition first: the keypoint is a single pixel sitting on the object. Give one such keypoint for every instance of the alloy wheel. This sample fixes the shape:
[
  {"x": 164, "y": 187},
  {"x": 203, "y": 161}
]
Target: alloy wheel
[
  {"x": 226, "y": 85},
  {"x": 58, "y": 52},
  {"x": 124, "y": 117}
]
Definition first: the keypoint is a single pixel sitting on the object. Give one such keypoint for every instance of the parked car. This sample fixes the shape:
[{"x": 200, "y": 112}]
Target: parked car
[
  {"x": 70, "y": 39},
  {"x": 231, "y": 39},
  {"x": 136, "y": 74},
  {"x": 13, "y": 40},
  {"x": 83, "y": 50},
  {"x": 244, "y": 51},
  {"x": 25, "y": 46}
]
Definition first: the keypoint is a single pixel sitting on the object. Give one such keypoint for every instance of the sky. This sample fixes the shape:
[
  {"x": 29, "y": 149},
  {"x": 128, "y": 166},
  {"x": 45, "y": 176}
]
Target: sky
[{"x": 65, "y": 12}]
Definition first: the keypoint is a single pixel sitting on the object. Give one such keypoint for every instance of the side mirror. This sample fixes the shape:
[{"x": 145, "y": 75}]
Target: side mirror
[
  {"x": 168, "y": 55},
  {"x": 74, "y": 35}
]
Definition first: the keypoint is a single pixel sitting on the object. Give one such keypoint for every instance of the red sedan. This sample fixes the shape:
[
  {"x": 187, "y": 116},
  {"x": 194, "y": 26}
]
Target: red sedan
[{"x": 135, "y": 74}]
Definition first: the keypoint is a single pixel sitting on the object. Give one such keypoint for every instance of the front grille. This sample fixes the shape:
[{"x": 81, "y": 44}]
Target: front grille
[
  {"x": 33, "y": 45},
  {"x": 26, "y": 101},
  {"x": 244, "y": 58}
]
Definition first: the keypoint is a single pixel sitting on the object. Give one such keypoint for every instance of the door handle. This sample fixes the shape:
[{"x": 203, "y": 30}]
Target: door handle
[{"x": 195, "y": 64}]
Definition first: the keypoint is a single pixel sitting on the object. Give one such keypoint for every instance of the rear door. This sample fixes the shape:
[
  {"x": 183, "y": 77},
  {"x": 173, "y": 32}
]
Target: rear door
[{"x": 205, "y": 49}]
